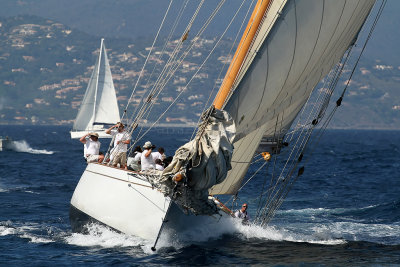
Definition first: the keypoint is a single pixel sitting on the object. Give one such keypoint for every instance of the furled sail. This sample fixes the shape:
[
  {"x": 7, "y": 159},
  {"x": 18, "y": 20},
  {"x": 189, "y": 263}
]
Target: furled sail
[
  {"x": 298, "y": 43},
  {"x": 99, "y": 105},
  {"x": 201, "y": 163}
]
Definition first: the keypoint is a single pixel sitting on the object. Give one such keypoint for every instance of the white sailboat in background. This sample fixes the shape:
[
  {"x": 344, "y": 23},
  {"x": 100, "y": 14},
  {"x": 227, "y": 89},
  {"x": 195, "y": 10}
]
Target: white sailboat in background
[
  {"x": 286, "y": 49},
  {"x": 99, "y": 107}
]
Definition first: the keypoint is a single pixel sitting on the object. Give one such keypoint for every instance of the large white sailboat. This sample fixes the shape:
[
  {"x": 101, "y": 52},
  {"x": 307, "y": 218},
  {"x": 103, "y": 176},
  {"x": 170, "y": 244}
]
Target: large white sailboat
[
  {"x": 287, "y": 47},
  {"x": 99, "y": 106}
]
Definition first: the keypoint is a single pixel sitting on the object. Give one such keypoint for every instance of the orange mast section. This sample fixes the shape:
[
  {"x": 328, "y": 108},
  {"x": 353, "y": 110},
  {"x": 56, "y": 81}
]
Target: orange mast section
[{"x": 241, "y": 51}]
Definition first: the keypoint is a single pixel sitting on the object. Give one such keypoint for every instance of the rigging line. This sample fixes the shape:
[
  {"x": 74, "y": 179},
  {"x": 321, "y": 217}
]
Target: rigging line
[
  {"x": 248, "y": 180},
  {"x": 192, "y": 76},
  {"x": 148, "y": 56},
  {"x": 174, "y": 66},
  {"x": 280, "y": 195},
  {"x": 287, "y": 190},
  {"x": 249, "y": 162},
  {"x": 275, "y": 130},
  {"x": 178, "y": 18},
  {"x": 272, "y": 180},
  {"x": 195, "y": 39},
  {"x": 284, "y": 190},
  {"x": 168, "y": 65},
  {"x": 286, "y": 179},
  {"x": 223, "y": 67},
  {"x": 327, "y": 96},
  {"x": 265, "y": 178},
  {"x": 365, "y": 43},
  {"x": 331, "y": 77},
  {"x": 192, "y": 44},
  {"x": 246, "y": 63}
]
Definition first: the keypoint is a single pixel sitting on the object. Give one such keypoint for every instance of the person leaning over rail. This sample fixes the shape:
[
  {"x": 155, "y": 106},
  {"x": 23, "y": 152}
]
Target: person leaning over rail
[
  {"x": 91, "y": 147},
  {"x": 121, "y": 141},
  {"x": 242, "y": 214}
]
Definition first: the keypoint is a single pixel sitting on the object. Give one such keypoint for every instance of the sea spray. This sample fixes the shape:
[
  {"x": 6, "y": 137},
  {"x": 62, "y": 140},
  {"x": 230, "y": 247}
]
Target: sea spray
[{"x": 23, "y": 146}]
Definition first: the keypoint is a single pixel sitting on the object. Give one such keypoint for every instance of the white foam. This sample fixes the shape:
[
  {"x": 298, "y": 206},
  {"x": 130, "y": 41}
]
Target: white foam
[
  {"x": 23, "y": 146},
  {"x": 25, "y": 231},
  {"x": 104, "y": 237},
  {"x": 36, "y": 239},
  {"x": 2, "y": 189},
  {"x": 356, "y": 229},
  {"x": 31, "y": 192},
  {"x": 6, "y": 230},
  {"x": 234, "y": 226}
]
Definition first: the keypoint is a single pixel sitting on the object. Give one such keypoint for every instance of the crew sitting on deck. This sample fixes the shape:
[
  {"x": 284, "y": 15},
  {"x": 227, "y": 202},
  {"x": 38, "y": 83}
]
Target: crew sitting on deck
[
  {"x": 159, "y": 154},
  {"x": 91, "y": 148},
  {"x": 134, "y": 159},
  {"x": 159, "y": 165}
]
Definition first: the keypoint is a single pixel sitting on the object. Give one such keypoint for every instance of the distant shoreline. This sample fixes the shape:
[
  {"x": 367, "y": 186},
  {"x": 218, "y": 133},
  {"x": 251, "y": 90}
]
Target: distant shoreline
[{"x": 193, "y": 126}]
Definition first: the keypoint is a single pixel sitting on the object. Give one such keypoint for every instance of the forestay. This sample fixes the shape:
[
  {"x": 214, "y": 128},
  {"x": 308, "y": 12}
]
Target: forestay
[{"x": 303, "y": 40}]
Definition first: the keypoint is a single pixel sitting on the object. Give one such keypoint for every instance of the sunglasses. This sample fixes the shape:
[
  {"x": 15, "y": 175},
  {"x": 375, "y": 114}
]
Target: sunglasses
[{"x": 244, "y": 206}]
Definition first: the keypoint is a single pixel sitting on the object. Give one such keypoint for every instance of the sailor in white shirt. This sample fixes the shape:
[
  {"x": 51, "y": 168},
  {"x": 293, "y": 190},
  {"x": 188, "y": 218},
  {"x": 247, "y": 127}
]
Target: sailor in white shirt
[
  {"x": 147, "y": 161},
  {"x": 91, "y": 147},
  {"x": 121, "y": 141}
]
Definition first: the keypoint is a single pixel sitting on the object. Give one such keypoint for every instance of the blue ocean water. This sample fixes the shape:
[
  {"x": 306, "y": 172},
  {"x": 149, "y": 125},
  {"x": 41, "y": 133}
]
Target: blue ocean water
[{"x": 343, "y": 211}]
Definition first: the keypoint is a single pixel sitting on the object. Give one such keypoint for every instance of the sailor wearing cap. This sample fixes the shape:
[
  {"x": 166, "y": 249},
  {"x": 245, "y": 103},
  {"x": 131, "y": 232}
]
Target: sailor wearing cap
[
  {"x": 91, "y": 147},
  {"x": 146, "y": 159},
  {"x": 121, "y": 142}
]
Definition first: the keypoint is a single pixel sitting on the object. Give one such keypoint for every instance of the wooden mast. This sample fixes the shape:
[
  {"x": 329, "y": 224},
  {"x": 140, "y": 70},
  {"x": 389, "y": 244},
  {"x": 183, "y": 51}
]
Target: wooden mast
[{"x": 241, "y": 51}]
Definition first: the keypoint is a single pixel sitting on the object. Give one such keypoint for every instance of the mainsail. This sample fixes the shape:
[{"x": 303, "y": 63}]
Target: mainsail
[
  {"x": 297, "y": 45},
  {"x": 99, "y": 105}
]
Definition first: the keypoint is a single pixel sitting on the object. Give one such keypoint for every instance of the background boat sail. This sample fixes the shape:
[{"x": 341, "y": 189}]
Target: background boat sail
[
  {"x": 286, "y": 49},
  {"x": 99, "y": 107}
]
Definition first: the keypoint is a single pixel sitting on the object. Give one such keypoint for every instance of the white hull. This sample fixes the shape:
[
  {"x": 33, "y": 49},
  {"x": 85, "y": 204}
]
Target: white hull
[
  {"x": 79, "y": 134},
  {"x": 117, "y": 199},
  {"x": 126, "y": 202}
]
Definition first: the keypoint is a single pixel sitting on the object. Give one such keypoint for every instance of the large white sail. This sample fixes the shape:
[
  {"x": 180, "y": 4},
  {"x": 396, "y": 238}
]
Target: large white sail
[
  {"x": 99, "y": 105},
  {"x": 305, "y": 41}
]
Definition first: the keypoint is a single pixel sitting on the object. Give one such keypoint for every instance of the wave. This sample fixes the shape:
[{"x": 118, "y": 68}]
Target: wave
[
  {"x": 25, "y": 231},
  {"x": 23, "y": 146},
  {"x": 104, "y": 237}
]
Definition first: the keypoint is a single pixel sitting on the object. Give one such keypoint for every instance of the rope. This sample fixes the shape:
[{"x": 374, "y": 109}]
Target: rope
[
  {"x": 304, "y": 137},
  {"x": 148, "y": 56},
  {"x": 170, "y": 74}
]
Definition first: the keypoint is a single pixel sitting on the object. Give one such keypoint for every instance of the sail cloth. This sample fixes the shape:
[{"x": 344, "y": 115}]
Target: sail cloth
[
  {"x": 297, "y": 45},
  {"x": 99, "y": 105},
  {"x": 303, "y": 44},
  {"x": 204, "y": 162}
]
